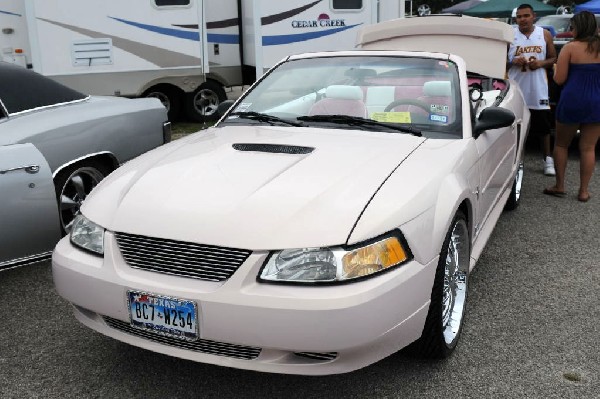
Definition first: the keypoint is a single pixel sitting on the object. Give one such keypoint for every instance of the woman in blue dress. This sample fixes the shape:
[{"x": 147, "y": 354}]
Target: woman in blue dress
[{"x": 578, "y": 69}]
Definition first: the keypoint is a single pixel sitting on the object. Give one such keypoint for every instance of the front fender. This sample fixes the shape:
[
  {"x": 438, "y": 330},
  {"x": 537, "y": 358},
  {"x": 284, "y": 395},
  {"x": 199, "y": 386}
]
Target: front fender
[{"x": 421, "y": 201}]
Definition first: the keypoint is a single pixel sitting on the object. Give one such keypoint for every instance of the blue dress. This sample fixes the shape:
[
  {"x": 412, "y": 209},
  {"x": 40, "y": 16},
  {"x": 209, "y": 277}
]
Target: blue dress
[{"x": 580, "y": 97}]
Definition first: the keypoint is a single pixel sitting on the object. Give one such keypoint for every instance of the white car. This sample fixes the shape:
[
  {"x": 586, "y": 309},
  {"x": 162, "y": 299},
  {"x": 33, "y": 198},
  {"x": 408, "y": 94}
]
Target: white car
[{"x": 329, "y": 219}]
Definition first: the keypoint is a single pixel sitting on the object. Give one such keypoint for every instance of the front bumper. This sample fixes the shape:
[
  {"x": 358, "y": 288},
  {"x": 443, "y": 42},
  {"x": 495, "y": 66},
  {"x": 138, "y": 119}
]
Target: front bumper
[{"x": 352, "y": 325}]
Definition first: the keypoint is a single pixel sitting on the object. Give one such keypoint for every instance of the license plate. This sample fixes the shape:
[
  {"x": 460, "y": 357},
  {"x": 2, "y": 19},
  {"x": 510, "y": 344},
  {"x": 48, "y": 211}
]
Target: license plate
[{"x": 163, "y": 315}]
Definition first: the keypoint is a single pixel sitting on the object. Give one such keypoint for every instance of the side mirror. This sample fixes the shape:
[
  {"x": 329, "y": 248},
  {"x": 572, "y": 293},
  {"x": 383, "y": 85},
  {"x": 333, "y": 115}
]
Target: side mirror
[
  {"x": 224, "y": 107},
  {"x": 493, "y": 118}
]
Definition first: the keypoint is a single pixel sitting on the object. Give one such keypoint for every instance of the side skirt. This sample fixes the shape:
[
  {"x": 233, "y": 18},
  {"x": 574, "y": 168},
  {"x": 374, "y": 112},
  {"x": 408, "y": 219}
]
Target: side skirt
[
  {"x": 11, "y": 264},
  {"x": 488, "y": 227}
]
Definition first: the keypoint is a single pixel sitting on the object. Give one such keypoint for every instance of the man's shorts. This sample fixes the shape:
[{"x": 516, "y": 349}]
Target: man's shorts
[{"x": 540, "y": 122}]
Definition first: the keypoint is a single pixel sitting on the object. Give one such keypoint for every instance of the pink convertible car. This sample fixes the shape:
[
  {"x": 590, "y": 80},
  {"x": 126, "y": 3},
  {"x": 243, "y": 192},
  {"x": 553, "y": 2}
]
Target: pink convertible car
[{"x": 330, "y": 218}]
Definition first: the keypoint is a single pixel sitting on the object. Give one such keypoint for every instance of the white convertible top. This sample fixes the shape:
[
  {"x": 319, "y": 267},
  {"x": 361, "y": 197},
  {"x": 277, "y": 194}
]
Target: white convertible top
[{"x": 482, "y": 43}]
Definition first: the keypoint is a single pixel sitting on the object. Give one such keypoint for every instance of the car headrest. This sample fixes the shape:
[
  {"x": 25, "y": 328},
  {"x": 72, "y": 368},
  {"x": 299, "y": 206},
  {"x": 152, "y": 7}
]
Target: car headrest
[
  {"x": 344, "y": 92},
  {"x": 437, "y": 88}
]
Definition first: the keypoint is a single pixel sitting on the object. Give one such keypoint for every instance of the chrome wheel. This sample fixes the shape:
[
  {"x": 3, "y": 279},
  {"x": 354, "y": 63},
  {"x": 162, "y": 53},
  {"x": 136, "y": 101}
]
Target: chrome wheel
[
  {"x": 518, "y": 182},
  {"x": 515, "y": 193},
  {"x": 73, "y": 191},
  {"x": 456, "y": 274}
]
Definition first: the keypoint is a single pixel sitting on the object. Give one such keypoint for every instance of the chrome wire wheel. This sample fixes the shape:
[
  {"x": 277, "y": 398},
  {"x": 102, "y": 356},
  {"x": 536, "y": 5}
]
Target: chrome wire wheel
[
  {"x": 515, "y": 193},
  {"x": 456, "y": 273},
  {"x": 73, "y": 190},
  {"x": 518, "y": 182},
  {"x": 443, "y": 324}
]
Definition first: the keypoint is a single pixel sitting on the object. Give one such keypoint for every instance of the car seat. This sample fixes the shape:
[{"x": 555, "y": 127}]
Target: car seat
[{"x": 341, "y": 100}]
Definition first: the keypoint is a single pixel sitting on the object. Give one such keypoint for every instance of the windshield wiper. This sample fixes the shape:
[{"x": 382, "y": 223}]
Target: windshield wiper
[
  {"x": 257, "y": 116},
  {"x": 358, "y": 121}
]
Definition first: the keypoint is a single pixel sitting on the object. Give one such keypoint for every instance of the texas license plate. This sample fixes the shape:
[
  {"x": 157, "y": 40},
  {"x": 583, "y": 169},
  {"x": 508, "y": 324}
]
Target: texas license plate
[{"x": 163, "y": 315}]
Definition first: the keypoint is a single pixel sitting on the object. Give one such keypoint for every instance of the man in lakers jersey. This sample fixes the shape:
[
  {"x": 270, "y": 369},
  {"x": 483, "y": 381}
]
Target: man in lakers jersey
[{"x": 529, "y": 56}]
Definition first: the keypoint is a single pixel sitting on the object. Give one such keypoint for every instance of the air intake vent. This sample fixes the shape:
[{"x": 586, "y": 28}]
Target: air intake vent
[
  {"x": 273, "y": 148},
  {"x": 92, "y": 52},
  {"x": 324, "y": 356},
  {"x": 201, "y": 345},
  {"x": 180, "y": 258}
]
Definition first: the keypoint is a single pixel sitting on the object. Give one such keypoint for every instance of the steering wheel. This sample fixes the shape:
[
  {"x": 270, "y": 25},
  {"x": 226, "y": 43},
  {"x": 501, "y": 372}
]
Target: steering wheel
[{"x": 406, "y": 101}]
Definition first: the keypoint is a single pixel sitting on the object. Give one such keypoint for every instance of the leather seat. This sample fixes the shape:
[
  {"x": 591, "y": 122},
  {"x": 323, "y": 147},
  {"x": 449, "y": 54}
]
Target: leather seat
[{"x": 341, "y": 100}]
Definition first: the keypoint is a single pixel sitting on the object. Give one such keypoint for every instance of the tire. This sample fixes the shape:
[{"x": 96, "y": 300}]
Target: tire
[
  {"x": 170, "y": 97},
  {"x": 515, "y": 193},
  {"x": 444, "y": 321},
  {"x": 73, "y": 184},
  {"x": 201, "y": 105}
]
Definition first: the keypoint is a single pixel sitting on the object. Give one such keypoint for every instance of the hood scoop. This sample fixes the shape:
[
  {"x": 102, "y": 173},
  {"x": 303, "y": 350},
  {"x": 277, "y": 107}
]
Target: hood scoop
[{"x": 273, "y": 148}]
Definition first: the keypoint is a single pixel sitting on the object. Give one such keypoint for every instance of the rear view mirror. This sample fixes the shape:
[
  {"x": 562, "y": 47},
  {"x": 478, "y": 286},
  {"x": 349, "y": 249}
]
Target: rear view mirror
[{"x": 493, "y": 118}]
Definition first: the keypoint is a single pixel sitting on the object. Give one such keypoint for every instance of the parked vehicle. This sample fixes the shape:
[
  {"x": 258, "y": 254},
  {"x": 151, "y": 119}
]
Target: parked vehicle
[
  {"x": 183, "y": 52},
  {"x": 561, "y": 24},
  {"x": 329, "y": 219},
  {"x": 56, "y": 144}
]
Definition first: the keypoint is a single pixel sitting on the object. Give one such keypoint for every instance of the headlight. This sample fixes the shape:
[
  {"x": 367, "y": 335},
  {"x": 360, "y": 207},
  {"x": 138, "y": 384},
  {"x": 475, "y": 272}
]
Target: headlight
[
  {"x": 87, "y": 235},
  {"x": 328, "y": 265}
]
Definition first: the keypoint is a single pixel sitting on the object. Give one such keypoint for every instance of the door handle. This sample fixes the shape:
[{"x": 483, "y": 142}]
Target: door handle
[{"x": 29, "y": 169}]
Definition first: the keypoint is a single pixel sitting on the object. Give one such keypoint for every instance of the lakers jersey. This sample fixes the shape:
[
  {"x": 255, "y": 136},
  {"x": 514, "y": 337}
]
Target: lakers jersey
[{"x": 534, "y": 84}]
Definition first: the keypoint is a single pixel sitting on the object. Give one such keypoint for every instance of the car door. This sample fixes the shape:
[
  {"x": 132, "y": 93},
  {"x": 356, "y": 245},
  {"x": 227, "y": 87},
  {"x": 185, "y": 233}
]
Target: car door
[
  {"x": 29, "y": 226},
  {"x": 497, "y": 151}
]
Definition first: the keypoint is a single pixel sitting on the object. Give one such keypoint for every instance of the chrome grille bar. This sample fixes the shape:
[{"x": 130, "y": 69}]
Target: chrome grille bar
[
  {"x": 201, "y": 345},
  {"x": 179, "y": 258}
]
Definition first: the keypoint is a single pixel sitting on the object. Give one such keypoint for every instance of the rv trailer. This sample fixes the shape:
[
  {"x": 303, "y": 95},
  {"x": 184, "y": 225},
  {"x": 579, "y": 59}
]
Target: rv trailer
[{"x": 185, "y": 52}]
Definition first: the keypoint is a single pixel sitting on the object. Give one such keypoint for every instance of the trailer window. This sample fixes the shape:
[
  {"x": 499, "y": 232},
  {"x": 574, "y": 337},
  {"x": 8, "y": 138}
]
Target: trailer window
[
  {"x": 169, "y": 3},
  {"x": 346, "y": 4}
]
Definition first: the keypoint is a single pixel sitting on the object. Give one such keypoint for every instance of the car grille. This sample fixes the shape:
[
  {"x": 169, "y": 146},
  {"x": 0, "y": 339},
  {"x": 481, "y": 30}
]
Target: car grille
[
  {"x": 201, "y": 345},
  {"x": 179, "y": 258}
]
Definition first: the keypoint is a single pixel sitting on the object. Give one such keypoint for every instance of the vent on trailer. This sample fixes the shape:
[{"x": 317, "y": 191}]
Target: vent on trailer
[{"x": 92, "y": 52}]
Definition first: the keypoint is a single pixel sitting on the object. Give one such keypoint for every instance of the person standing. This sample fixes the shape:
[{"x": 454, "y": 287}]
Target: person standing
[
  {"x": 578, "y": 69},
  {"x": 530, "y": 54}
]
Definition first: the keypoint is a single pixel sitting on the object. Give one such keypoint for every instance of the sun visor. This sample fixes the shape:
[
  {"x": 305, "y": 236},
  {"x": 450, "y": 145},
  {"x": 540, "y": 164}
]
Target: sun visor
[{"x": 482, "y": 43}]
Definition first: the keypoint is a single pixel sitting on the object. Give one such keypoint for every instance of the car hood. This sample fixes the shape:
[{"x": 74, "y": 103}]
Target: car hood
[{"x": 202, "y": 189}]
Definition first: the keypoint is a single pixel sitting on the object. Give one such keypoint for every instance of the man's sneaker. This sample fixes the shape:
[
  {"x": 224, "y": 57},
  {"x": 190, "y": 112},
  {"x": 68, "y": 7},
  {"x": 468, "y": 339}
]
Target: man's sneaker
[{"x": 549, "y": 167}]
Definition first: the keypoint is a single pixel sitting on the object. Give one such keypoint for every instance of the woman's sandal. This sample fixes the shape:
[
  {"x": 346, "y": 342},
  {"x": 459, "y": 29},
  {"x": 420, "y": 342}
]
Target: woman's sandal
[{"x": 554, "y": 192}]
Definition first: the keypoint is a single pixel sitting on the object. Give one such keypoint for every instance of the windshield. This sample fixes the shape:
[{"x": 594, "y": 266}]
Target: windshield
[
  {"x": 560, "y": 24},
  {"x": 407, "y": 94}
]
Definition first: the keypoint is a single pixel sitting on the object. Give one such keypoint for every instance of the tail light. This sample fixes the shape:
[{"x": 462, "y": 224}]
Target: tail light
[{"x": 564, "y": 35}]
